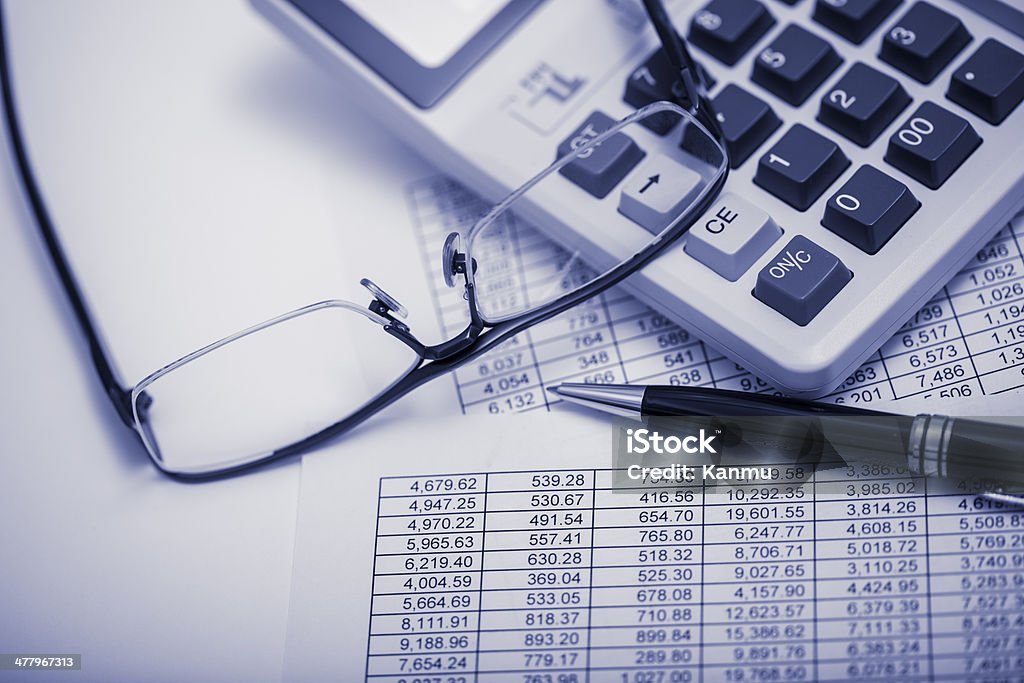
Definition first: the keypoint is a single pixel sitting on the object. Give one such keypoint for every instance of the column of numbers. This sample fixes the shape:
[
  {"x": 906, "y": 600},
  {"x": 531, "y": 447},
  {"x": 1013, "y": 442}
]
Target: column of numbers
[
  {"x": 759, "y": 580},
  {"x": 646, "y": 605},
  {"x": 977, "y": 560},
  {"x": 535, "y": 600},
  {"x": 426, "y": 584},
  {"x": 873, "y": 586}
]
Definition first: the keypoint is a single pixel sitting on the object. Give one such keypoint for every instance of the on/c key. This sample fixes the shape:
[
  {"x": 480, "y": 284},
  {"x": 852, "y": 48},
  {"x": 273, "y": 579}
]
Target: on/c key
[{"x": 801, "y": 280}]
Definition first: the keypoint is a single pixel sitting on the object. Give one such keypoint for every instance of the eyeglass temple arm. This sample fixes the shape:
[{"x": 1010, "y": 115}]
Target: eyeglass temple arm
[
  {"x": 676, "y": 51},
  {"x": 120, "y": 396}
]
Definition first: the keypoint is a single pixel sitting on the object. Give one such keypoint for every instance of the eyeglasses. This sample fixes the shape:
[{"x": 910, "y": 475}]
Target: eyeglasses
[{"x": 290, "y": 383}]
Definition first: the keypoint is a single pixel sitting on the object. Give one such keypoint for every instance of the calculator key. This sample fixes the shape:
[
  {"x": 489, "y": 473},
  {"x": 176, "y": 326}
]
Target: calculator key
[
  {"x": 990, "y": 83},
  {"x": 854, "y": 20},
  {"x": 862, "y": 104},
  {"x": 924, "y": 41},
  {"x": 731, "y": 236},
  {"x": 658, "y": 192},
  {"x": 726, "y": 29},
  {"x": 746, "y": 122},
  {"x": 931, "y": 145},
  {"x": 605, "y": 165},
  {"x": 869, "y": 208},
  {"x": 800, "y": 166},
  {"x": 653, "y": 81},
  {"x": 801, "y": 280},
  {"x": 795, "y": 64}
]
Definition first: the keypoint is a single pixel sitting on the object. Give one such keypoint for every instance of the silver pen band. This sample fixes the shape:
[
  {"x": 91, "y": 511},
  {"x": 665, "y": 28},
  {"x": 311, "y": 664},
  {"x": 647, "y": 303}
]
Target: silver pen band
[{"x": 928, "y": 445}]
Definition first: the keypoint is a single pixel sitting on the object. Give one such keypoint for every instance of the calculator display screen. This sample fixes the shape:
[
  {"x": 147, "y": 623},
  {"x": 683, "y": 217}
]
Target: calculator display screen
[
  {"x": 422, "y": 49},
  {"x": 429, "y": 32}
]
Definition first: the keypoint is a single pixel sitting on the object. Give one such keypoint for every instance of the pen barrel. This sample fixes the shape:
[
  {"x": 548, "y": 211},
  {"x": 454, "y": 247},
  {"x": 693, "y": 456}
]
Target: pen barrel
[{"x": 971, "y": 450}]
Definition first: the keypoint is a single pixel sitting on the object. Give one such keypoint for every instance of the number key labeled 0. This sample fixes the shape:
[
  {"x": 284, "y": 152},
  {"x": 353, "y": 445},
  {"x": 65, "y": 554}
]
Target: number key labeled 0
[{"x": 931, "y": 145}]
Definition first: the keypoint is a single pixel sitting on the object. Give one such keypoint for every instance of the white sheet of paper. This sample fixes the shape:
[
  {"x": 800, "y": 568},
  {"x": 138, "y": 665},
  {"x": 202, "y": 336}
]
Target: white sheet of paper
[{"x": 830, "y": 584}]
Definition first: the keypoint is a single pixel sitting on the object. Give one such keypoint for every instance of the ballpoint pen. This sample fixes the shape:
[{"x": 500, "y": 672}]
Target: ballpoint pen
[{"x": 931, "y": 445}]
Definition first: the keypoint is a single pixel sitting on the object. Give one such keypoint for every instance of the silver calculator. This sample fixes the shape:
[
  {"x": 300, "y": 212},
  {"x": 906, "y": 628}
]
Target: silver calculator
[{"x": 876, "y": 146}]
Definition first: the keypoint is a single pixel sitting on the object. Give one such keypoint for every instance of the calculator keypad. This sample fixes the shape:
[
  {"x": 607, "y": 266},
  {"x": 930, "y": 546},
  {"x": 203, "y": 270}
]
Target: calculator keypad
[
  {"x": 923, "y": 41},
  {"x": 795, "y": 64},
  {"x": 862, "y": 104},
  {"x": 932, "y": 144}
]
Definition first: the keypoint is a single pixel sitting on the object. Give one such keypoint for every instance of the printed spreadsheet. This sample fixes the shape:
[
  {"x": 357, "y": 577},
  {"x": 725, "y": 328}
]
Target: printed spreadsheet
[
  {"x": 865, "y": 573},
  {"x": 967, "y": 342}
]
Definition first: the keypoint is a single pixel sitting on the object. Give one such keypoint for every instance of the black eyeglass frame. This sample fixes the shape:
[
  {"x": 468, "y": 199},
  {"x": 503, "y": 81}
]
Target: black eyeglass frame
[{"x": 477, "y": 338}]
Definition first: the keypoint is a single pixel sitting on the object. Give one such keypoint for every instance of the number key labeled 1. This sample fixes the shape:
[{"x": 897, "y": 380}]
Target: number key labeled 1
[
  {"x": 731, "y": 236},
  {"x": 931, "y": 145},
  {"x": 869, "y": 208}
]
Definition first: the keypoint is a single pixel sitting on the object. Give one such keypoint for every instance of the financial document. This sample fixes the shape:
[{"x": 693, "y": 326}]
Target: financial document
[
  {"x": 506, "y": 554},
  {"x": 967, "y": 342}
]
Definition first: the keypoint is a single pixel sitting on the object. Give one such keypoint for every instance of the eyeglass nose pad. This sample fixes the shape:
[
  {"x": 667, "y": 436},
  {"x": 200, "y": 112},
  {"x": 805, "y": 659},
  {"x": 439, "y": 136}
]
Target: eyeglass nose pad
[
  {"x": 385, "y": 298},
  {"x": 449, "y": 254}
]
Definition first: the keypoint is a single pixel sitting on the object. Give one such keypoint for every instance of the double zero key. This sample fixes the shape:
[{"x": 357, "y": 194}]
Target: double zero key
[{"x": 931, "y": 145}]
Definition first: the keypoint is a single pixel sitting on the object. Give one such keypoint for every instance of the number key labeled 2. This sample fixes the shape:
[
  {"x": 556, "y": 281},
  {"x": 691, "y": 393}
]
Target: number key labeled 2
[
  {"x": 862, "y": 104},
  {"x": 931, "y": 145},
  {"x": 795, "y": 64},
  {"x": 801, "y": 280},
  {"x": 869, "y": 208}
]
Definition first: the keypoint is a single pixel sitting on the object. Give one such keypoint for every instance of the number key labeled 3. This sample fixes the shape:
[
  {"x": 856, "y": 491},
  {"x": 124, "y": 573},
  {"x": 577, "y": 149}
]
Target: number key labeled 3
[
  {"x": 801, "y": 280},
  {"x": 862, "y": 104},
  {"x": 731, "y": 236},
  {"x": 795, "y": 64},
  {"x": 869, "y": 208},
  {"x": 931, "y": 145},
  {"x": 924, "y": 41}
]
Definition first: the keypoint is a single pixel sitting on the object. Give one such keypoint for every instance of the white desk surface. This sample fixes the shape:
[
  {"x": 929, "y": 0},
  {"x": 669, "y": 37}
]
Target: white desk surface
[{"x": 99, "y": 554}]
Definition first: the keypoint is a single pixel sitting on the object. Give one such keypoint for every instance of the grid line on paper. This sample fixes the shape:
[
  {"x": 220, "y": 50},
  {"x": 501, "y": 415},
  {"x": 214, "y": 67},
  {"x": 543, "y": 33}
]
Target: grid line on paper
[{"x": 965, "y": 342}]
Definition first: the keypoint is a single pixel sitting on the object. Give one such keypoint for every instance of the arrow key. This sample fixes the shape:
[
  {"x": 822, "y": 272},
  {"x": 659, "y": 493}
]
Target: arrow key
[{"x": 658, "y": 192}]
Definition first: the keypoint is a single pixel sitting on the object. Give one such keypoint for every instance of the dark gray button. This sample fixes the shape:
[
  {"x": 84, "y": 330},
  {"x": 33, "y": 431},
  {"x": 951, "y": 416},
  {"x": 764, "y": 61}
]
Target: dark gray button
[
  {"x": 726, "y": 29},
  {"x": 990, "y": 83},
  {"x": 853, "y": 19},
  {"x": 869, "y": 208},
  {"x": 931, "y": 145},
  {"x": 924, "y": 41},
  {"x": 801, "y": 280},
  {"x": 795, "y": 64},
  {"x": 746, "y": 122},
  {"x": 604, "y": 166},
  {"x": 862, "y": 104},
  {"x": 655, "y": 80},
  {"x": 800, "y": 166}
]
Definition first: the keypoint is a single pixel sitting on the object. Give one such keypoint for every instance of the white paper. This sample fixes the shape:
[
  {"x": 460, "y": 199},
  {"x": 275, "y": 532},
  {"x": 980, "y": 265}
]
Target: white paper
[{"x": 575, "y": 582}]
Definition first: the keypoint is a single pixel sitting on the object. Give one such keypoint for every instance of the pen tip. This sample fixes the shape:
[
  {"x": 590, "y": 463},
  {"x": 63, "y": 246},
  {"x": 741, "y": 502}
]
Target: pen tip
[{"x": 555, "y": 390}]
